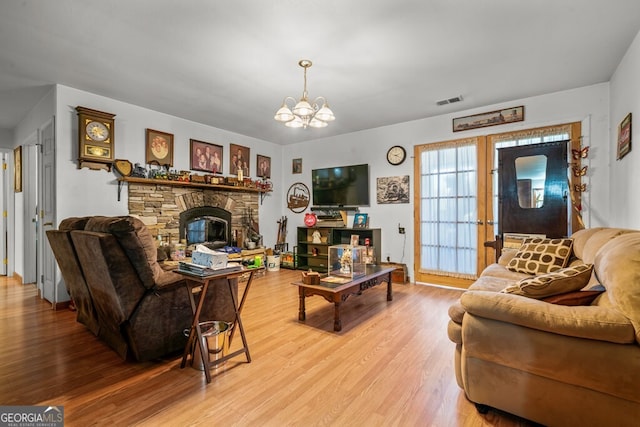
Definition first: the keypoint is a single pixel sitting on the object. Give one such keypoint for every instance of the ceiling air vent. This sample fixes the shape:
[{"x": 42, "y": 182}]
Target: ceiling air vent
[{"x": 450, "y": 100}]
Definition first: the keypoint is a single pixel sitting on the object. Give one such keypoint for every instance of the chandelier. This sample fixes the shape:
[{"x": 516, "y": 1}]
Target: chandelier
[{"x": 316, "y": 114}]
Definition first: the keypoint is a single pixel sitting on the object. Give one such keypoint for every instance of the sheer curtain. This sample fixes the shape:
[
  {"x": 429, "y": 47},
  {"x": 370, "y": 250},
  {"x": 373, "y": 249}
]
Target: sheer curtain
[{"x": 448, "y": 208}]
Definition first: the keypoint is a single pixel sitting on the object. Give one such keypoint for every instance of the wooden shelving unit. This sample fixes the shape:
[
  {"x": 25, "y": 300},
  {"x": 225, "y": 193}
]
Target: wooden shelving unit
[
  {"x": 315, "y": 256},
  {"x": 187, "y": 184}
]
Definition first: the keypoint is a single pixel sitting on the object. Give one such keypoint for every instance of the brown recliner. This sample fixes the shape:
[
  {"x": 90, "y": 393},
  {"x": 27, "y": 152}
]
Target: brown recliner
[
  {"x": 142, "y": 310},
  {"x": 65, "y": 253}
]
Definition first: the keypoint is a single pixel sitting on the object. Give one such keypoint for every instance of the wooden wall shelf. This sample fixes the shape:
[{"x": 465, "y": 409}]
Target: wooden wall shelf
[{"x": 188, "y": 184}]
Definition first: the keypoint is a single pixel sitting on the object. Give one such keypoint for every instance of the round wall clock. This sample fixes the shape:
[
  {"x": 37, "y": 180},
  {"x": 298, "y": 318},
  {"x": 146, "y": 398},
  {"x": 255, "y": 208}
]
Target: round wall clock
[
  {"x": 97, "y": 131},
  {"x": 396, "y": 155},
  {"x": 298, "y": 197}
]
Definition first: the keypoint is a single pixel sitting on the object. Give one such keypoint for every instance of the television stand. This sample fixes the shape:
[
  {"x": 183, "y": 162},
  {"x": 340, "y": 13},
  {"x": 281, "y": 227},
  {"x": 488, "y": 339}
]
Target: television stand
[{"x": 315, "y": 256}]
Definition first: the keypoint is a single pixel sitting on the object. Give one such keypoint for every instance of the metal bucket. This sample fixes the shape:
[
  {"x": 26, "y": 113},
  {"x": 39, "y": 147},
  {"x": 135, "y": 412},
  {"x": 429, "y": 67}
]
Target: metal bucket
[
  {"x": 273, "y": 262},
  {"x": 215, "y": 341}
]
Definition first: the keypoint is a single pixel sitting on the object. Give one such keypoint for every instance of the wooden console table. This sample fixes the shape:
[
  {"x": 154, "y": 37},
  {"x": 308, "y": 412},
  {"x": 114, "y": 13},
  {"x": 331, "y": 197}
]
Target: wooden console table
[
  {"x": 197, "y": 285},
  {"x": 338, "y": 293}
]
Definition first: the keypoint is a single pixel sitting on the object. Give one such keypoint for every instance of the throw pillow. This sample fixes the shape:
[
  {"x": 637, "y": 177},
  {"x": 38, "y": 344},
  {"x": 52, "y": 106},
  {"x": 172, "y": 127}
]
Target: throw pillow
[
  {"x": 540, "y": 256},
  {"x": 573, "y": 298},
  {"x": 559, "y": 282}
]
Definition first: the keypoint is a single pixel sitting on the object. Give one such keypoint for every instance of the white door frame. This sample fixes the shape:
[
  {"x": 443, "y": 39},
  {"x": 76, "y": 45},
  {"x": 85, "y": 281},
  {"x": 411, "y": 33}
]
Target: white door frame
[
  {"x": 5, "y": 180},
  {"x": 50, "y": 278},
  {"x": 30, "y": 199}
]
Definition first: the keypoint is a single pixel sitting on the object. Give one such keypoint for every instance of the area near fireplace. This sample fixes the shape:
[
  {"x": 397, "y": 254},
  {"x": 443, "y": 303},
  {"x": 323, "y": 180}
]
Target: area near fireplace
[{"x": 160, "y": 207}]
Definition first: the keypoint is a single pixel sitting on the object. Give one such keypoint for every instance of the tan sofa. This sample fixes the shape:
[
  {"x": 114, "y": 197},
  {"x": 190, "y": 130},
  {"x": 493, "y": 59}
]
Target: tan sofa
[{"x": 556, "y": 364}]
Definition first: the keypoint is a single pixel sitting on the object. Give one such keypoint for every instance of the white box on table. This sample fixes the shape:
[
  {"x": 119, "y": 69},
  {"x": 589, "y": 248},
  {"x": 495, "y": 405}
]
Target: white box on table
[{"x": 213, "y": 259}]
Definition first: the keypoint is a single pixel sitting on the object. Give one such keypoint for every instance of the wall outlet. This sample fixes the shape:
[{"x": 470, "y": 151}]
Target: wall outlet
[{"x": 400, "y": 230}]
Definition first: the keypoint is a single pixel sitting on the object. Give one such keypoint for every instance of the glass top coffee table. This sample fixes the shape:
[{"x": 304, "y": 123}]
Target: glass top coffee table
[{"x": 339, "y": 292}]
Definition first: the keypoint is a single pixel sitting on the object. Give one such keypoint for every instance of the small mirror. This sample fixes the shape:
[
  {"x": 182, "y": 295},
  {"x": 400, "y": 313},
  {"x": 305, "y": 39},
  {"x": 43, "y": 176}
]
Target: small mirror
[{"x": 531, "y": 176}]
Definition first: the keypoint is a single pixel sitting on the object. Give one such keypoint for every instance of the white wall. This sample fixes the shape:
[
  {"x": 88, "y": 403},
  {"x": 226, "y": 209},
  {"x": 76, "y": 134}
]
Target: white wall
[
  {"x": 6, "y": 138},
  {"x": 27, "y": 130},
  {"x": 625, "y": 173},
  {"x": 589, "y": 104},
  {"x": 88, "y": 192}
]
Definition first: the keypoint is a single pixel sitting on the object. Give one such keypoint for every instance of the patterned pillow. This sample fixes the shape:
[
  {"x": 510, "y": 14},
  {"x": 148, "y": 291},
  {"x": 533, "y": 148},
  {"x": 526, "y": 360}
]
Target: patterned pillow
[
  {"x": 573, "y": 298},
  {"x": 559, "y": 282},
  {"x": 540, "y": 256}
]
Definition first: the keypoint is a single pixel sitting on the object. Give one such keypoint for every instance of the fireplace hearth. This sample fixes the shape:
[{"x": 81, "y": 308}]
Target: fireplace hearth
[
  {"x": 207, "y": 225},
  {"x": 165, "y": 209}
]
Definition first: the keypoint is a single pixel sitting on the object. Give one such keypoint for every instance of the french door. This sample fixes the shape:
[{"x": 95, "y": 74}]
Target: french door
[{"x": 456, "y": 205}]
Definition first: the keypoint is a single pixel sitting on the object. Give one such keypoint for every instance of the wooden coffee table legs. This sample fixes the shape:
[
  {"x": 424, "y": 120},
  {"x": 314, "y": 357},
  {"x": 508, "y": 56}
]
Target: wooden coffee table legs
[
  {"x": 339, "y": 294},
  {"x": 302, "y": 315},
  {"x": 337, "y": 323}
]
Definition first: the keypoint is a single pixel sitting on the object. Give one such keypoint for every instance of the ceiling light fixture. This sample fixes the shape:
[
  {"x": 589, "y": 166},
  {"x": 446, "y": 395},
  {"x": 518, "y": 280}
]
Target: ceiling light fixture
[{"x": 316, "y": 114}]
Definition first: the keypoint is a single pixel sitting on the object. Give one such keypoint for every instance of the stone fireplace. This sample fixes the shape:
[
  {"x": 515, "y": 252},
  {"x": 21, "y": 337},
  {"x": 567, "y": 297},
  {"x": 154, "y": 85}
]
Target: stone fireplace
[
  {"x": 206, "y": 225},
  {"x": 161, "y": 207}
]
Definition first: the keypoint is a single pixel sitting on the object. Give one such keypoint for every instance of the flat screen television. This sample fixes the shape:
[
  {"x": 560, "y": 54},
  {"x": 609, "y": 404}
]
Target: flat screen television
[{"x": 341, "y": 186}]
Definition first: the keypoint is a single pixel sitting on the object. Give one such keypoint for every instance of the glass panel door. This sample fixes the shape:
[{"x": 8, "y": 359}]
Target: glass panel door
[{"x": 448, "y": 209}]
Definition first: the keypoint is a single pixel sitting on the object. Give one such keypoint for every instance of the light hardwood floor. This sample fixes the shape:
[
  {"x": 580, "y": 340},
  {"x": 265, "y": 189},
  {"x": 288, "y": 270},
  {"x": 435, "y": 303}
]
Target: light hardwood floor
[{"x": 391, "y": 365}]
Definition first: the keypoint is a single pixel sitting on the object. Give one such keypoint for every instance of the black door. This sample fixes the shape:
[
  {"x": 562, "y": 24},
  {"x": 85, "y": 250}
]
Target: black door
[{"x": 533, "y": 189}]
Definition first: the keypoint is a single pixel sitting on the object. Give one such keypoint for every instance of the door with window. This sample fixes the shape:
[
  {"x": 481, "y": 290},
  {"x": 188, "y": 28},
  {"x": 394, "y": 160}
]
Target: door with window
[{"x": 456, "y": 195}]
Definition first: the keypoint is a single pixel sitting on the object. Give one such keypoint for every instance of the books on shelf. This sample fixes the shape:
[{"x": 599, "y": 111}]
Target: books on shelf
[{"x": 202, "y": 271}]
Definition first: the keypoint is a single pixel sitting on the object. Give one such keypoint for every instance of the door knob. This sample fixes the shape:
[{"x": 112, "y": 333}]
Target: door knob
[{"x": 479, "y": 222}]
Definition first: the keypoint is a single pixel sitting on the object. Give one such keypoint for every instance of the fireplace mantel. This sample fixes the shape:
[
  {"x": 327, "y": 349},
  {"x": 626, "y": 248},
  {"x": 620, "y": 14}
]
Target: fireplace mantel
[{"x": 187, "y": 184}]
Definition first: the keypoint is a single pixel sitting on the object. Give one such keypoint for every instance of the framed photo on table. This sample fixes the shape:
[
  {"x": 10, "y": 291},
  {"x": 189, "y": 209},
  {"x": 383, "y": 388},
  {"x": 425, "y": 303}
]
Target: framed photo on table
[
  {"x": 205, "y": 156},
  {"x": 159, "y": 148},
  {"x": 360, "y": 220}
]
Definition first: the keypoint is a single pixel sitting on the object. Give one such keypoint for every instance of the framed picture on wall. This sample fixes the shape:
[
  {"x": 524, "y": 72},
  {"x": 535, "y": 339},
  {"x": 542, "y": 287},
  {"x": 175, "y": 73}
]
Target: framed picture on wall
[
  {"x": 297, "y": 166},
  {"x": 624, "y": 137},
  {"x": 263, "y": 167},
  {"x": 239, "y": 159},
  {"x": 159, "y": 148},
  {"x": 17, "y": 169},
  {"x": 205, "y": 156}
]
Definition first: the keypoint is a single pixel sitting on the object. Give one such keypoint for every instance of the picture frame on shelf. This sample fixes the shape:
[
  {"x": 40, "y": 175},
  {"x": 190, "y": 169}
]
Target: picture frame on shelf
[
  {"x": 239, "y": 160},
  {"x": 205, "y": 156},
  {"x": 296, "y": 166},
  {"x": 360, "y": 220},
  {"x": 263, "y": 166},
  {"x": 355, "y": 239},
  {"x": 624, "y": 137},
  {"x": 159, "y": 148}
]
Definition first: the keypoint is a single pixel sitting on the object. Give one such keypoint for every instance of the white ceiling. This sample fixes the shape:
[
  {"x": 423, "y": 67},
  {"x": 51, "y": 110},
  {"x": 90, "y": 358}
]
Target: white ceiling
[{"x": 229, "y": 64}]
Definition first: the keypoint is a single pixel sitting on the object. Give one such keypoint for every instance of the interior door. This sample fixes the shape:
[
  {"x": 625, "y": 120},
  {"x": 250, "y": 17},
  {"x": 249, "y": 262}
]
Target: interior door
[
  {"x": 533, "y": 189},
  {"x": 4, "y": 190},
  {"x": 49, "y": 270},
  {"x": 30, "y": 215}
]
